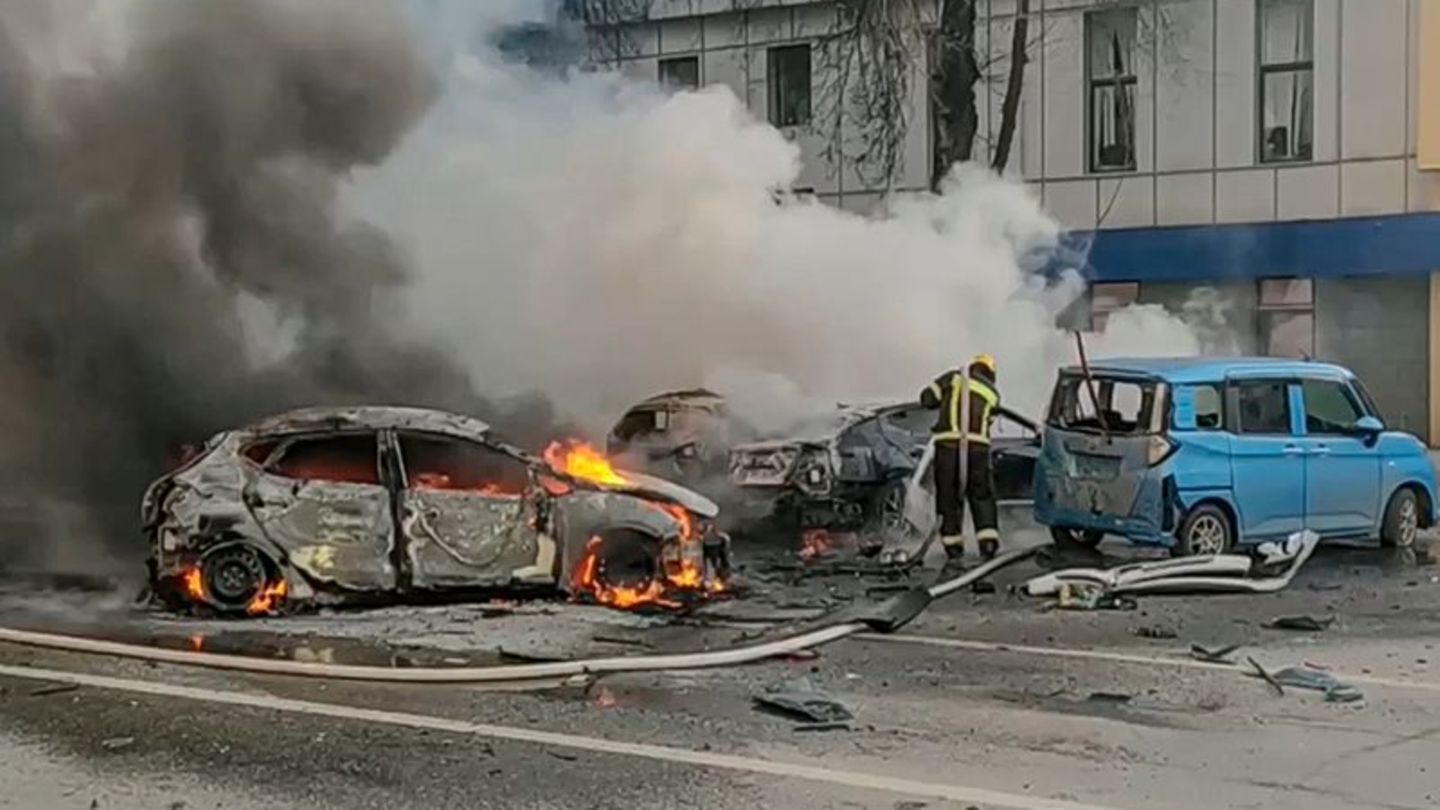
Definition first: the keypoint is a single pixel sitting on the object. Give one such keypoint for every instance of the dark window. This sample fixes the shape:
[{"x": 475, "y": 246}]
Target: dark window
[
  {"x": 1110, "y": 71},
  {"x": 1329, "y": 407},
  {"x": 1287, "y": 317},
  {"x": 1287, "y": 70},
  {"x": 789, "y": 72},
  {"x": 1263, "y": 406},
  {"x": 681, "y": 72},
  {"x": 642, "y": 423},
  {"x": 441, "y": 462},
  {"x": 259, "y": 450},
  {"x": 346, "y": 459},
  {"x": 915, "y": 420}
]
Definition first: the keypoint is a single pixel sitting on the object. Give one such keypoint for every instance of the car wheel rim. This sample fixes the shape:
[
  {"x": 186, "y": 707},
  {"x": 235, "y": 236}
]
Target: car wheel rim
[
  {"x": 1409, "y": 522},
  {"x": 233, "y": 575},
  {"x": 1207, "y": 535}
]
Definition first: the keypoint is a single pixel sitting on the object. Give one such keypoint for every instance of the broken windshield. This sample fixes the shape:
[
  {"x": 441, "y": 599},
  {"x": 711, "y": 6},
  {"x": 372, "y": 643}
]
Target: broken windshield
[{"x": 1126, "y": 404}]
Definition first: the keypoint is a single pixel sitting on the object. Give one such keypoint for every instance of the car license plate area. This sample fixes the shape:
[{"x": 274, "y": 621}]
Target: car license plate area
[{"x": 1094, "y": 468}]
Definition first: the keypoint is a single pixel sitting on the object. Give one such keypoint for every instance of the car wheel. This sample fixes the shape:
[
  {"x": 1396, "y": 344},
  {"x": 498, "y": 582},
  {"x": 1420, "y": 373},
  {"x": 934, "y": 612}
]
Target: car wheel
[
  {"x": 1205, "y": 530},
  {"x": 887, "y": 511},
  {"x": 233, "y": 575},
  {"x": 1402, "y": 520},
  {"x": 1087, "y": 538},
  {"x": 627, "y": 559}
]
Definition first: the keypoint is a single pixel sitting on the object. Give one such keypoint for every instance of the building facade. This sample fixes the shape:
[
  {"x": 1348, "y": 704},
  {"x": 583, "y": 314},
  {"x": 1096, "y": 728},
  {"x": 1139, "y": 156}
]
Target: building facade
[{"x": 1272, "y": 166}]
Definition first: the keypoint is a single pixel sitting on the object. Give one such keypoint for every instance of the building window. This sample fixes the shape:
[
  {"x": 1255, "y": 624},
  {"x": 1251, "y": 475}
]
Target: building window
[
  {"x": 681, "y": 72},
  {"x": 1110, "y": 72},
  {"x": 1108, "y": 298},
  {"x": 789, "y": 72},
  {"x": 1287, "y": 73},
  {"x": 1287, "y": 317}
]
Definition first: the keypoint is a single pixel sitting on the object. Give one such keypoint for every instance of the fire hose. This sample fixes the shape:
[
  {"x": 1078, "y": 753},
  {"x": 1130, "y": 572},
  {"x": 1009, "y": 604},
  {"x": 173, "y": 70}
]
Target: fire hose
[{"x": 903, "y": 609}]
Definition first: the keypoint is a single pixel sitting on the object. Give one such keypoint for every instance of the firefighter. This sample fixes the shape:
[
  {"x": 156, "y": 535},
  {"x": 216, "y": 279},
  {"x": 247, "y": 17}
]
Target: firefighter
[{"x": 962, "y": 455}]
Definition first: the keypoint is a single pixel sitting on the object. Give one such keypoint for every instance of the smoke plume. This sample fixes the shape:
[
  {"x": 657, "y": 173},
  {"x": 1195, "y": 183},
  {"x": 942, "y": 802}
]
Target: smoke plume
[
  {"x": 213, "y": 211},
  {"x": 171, "y": 257}
]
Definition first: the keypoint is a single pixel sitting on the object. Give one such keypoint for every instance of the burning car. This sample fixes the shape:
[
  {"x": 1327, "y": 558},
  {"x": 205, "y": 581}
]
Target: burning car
[
  {"x": 849, "y": 471},
  {"x": 684, "y": 434},
  {"x": 335, "y": 505}
]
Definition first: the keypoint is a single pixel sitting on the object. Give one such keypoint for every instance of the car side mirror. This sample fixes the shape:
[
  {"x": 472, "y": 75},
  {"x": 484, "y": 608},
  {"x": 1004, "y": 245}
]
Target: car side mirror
[{"x": 1368, "y": 426}]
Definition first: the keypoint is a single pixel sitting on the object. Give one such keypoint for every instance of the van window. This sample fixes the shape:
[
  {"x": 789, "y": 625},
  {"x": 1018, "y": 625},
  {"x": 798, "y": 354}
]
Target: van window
[
  {"x": 1126, "y": 405},
  {"x": 1263, "y": 406},
  {"x": 1198, "y": 407},
  {"x": 1329, "y": 407}
]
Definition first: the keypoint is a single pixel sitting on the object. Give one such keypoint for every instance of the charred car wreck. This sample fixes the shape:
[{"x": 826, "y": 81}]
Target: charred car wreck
[
  {"x": 366, "y": 504},
  {"x": 685, "y": 435},
  {"x": 849, "y": 472}
]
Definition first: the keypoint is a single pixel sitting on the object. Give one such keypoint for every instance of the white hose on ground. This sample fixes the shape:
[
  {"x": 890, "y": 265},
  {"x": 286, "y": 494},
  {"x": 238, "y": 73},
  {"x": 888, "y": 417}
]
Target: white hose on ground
[{"x": 510, "y": 672}]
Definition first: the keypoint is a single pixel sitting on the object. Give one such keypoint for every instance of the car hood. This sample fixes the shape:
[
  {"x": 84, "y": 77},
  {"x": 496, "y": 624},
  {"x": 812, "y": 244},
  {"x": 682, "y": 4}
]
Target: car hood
[{"x": 652, "y": 487}]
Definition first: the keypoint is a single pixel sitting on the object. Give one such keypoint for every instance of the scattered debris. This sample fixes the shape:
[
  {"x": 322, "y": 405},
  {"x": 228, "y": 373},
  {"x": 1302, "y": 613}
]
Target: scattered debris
[
  {"x": 1219, "y": 656},
  {"x": 629, "y": 642},
  {"x": 117, "y": 743},
  {"x": 1270, "y": 679},
  {"x": 1306, "y": 624},
  {"x": 833, "y": 726},
  {"x": 800, "y": 699},
  {"x": 1325, "y": 586},
  {"x": 982, "y": 587},
  {"x": 54, "y": 689},
  {"x": 800, "y": 655},
  {"x": 1336, "y": 691},
  {"x": 1155, "y": 631},
  {"x": 1109, "y": 697},
  {"x": 1090, "y": 596},
  {"x": 565, "y": 755}
]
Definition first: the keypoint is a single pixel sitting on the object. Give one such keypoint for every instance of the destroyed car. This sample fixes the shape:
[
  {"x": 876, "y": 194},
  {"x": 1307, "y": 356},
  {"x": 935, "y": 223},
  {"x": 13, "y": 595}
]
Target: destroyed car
[
  {"x": 333, "y": 505},
  {"x": 684, "y": 435},
  {"x": 1201, "y": 455},
  {"x": 849, "y": 472}
]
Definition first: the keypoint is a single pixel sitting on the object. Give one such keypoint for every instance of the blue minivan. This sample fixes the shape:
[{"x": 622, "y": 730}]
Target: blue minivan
[{"x": 1204, "y": 454}]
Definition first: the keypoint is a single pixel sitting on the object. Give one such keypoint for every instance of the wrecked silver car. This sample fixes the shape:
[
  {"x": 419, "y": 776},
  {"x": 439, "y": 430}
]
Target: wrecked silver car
[
  {"x": 849, "y": 471},
  {"x": 357, "y": 504},
  {"x": 681, "y": 434}
]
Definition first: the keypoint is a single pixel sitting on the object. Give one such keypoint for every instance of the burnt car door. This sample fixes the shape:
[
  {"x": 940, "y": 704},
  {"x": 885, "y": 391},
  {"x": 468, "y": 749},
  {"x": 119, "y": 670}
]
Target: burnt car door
[
  {"x": 1015, "y": 445},
  {"x": 467, "y": 514},
  {"x": 321, "y": 499}
]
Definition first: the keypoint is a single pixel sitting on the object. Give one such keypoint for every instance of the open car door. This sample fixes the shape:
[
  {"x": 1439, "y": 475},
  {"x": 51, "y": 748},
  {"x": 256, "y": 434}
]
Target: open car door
[{"x": 467, "y": 515}]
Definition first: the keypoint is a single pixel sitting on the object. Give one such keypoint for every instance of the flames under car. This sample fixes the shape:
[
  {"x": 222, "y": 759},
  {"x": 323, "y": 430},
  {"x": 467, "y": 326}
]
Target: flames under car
[{"x": 366, "y": 504}]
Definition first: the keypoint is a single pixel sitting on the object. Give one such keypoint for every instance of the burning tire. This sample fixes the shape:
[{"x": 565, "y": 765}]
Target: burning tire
[
  {"x": 234, "y": 575},
  {"x": 626, "y": 558}
]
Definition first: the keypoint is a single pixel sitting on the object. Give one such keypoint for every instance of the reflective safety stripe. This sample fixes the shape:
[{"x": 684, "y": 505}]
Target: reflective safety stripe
[
  {"x": 954, "y": 422},
  {"x": 987, "y": 534},
  {"x": 937, "y": 390},
  {"x": 952, "y": 540},
  {"x": 986, "y": 392},
  {"x": 954, "y": 435}
]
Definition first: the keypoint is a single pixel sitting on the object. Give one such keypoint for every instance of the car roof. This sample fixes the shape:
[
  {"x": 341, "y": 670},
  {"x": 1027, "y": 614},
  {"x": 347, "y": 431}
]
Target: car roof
[
  {"x": 371, "y": 417},
  {"x": 1211, "y": 369},
  {"x": 698, "y": 396}
]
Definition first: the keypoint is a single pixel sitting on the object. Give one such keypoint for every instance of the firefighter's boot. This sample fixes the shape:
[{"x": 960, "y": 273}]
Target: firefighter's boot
[
  {"x": 954, "y": 545},
  {"x": 989, "y": 547}
]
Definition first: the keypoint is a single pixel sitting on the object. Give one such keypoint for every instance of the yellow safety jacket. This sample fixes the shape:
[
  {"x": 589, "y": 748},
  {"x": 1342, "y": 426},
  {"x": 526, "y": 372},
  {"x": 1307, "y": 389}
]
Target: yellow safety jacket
[{"x": 944, "y": 395}]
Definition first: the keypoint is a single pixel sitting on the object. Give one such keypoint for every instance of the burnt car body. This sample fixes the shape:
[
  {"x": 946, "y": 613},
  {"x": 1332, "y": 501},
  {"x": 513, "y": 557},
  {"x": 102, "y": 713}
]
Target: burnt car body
[
  {"x": 333, "y": 505},
  {"x": 684, "y": 435},
  {"x": 849, "y": 472}
]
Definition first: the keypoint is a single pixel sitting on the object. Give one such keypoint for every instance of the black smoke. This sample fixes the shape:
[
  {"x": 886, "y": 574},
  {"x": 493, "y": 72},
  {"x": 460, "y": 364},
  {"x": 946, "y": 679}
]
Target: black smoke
[{"x": 142, "y": 195}]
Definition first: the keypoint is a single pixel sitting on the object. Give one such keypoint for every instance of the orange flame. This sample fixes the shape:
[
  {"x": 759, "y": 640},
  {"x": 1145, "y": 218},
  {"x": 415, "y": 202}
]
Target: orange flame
[
  {"x": 815, "y": 543},
  {"x": 687, "y": 574},
  {"x": 194, "y": 584},
  {"x": 579, "y": 460},
  {"x": 584, "y": 580},
  {"x": 267, "y": 599}
]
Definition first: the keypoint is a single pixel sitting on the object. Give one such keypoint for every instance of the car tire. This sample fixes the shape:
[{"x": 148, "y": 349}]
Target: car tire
[
  {"x": 1206, "y": 530},
  {"x": 1402, "y": 520},
  {"x": 1084, "y": 538}
]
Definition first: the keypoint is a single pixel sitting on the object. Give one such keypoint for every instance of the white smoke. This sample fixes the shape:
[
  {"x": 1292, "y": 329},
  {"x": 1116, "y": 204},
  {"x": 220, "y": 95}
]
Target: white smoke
[{"x": 599, "y": 240}]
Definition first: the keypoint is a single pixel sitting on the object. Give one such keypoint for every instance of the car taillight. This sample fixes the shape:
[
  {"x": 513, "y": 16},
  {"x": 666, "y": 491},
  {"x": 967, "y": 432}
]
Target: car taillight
[{"x": 1158, "y": 449}]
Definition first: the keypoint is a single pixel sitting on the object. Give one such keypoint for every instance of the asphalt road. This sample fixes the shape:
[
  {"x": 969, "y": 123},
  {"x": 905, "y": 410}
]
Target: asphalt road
[{"x": 986, "y": 701}]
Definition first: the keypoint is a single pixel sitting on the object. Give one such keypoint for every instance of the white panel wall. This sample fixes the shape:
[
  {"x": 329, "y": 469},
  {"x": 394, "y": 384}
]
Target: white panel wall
[
  {"x": 1072, "y": 202},
  {"x": 1127, "y": 202},
  {"x": 1373, "y": 187},
  {"x": 1184, "y": 87},
  {"x": 1184, "y": 199},
  {"x": 1372, "y": 78},
  {"x": 1307, "y": 192},
  {"x": 1235, "y": 129},
  {"x": 1064, "y": 111},
  {"x": 1245, "y": 196},
  {"x": 680, "y": 35}
]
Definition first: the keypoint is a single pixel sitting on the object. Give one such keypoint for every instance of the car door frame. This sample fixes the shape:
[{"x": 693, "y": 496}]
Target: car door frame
[
  {"x": 1282, "y": 448},
  {"x": 528, "y": 559},
  {"x": 271, "y": 497},
  {"x": 1324, "y": 453}
]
